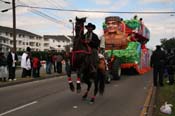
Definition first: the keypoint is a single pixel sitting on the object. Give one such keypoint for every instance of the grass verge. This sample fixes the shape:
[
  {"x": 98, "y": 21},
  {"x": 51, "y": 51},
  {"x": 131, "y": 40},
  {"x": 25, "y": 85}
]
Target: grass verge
[{"x": 164, "y": 94}]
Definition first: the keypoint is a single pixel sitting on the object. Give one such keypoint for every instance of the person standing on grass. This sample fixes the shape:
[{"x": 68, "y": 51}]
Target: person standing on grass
[
  {"x": 158, "y": 62},
  {"x": 170, "y": 66},
  {"x": 12, "y": 59}
]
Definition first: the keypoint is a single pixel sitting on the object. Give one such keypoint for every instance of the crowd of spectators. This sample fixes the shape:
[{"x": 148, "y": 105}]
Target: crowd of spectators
[{"x": 30, "y": 64}]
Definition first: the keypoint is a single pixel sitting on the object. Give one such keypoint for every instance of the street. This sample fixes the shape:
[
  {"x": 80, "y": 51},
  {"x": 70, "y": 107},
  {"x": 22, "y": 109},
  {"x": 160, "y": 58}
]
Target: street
[{"x": 52, "y": 97}]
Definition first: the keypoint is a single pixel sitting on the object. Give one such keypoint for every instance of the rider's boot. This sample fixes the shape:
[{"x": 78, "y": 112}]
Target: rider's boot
[
  {"x": 71, "y": 85},
  {"x": 78, "y": 85}
]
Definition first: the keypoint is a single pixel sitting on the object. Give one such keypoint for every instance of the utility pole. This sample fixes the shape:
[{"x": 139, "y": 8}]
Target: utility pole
[{"x": 14, "y": 24}]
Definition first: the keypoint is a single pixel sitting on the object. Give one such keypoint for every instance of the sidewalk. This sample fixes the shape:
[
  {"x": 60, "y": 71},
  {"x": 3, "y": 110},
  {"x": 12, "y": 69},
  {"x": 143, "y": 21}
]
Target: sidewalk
[{"x": 19, "y": 80}]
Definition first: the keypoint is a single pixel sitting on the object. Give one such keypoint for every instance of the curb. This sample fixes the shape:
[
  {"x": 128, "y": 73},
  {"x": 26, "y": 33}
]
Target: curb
[
  {"x": 152, "y": 102},
  {"x": 149, "y": 102}
]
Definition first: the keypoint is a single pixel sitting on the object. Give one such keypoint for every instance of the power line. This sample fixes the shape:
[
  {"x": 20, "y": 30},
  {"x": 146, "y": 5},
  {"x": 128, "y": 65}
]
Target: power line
[
  {"x": 44, "y": 15},
  {"x": 97, "y": 11}
]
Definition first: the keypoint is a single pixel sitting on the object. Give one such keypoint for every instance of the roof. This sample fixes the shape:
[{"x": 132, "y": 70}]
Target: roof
[
  {"x": 58, "y": 37},
  {"x": 18, "y": 31}
]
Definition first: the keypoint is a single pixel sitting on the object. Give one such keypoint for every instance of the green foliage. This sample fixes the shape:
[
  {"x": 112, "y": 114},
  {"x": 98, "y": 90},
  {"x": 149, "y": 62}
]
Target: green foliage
[{"x": 168, "y": 43}]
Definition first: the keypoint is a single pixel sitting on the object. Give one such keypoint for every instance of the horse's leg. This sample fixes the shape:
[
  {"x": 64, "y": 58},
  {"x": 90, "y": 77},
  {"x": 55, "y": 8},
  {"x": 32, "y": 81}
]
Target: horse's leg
[
  {"x": 78, "y": 81},
  {"x": 89, "y": 84},
  {"x": 101, "y": 76},
  {"x": 96, "y": 84},
  {"x": 68, "y": 72},
  {"x": 99, "y": 84}
]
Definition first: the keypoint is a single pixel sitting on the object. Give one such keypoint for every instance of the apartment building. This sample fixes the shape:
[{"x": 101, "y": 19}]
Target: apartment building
[
  {"x": 59, "y": 42},
  {"x": 36, "y": 42}
]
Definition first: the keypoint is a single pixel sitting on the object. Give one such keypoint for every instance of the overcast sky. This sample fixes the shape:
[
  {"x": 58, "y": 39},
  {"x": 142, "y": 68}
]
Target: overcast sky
[{"x": 49, "y": 22}]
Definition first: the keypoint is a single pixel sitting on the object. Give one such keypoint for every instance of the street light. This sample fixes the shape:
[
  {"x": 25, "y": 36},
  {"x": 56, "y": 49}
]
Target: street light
[
  {"x": 70, "y": 20},
  {"x": 14, "y": 20}
]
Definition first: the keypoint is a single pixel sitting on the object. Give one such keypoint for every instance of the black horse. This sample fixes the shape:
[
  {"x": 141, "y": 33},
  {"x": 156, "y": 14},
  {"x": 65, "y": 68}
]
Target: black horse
[{"x": 79, "y": 60}]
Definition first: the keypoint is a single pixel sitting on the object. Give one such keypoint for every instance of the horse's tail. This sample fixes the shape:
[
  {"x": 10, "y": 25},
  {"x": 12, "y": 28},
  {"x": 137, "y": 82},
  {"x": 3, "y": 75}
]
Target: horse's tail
[{"x": 101, "y": 79}]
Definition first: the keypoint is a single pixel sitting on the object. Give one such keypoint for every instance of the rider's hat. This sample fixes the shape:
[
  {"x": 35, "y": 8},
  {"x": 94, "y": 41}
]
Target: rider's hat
[{"x": 90, "y": 25}]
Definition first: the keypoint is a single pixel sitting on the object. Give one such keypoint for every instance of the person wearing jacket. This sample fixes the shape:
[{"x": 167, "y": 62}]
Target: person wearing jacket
[
  {"x": 12, "y": 59},
  {"x": 36, "y": 66},
  {"x": 94, "y": 43},
  {"x": 26, "y": 63},
  {"x": 170, "y": 66},
  {"x": 158, "y": 62},
  {"x": 3, "y": 67}
]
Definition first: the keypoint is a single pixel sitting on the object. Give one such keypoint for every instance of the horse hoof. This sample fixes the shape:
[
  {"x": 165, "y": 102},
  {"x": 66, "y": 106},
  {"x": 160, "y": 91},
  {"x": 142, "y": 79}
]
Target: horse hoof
[
  {"x": 71, "y": 87},
  {"x": 92, "y": 101},
  {"x": 84, "y": 96}
]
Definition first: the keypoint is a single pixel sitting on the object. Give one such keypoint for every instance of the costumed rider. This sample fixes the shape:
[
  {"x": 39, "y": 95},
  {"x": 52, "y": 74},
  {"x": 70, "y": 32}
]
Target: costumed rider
[{"x": 93, "y": 42}]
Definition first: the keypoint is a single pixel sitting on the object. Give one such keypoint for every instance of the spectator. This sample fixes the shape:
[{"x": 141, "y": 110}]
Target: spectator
[
  {"x": 36, "y": 66},
  {"x": 3, "y": 67},
  {"x": 26, "y": 63},
  {"x": 59, "y": 63},
  {"x": 12, "y": 59},
  {"x": 29, "y": 64},
  {"x": 48, "y": 62},
  {"x": 157, "y": 62},
  {"x": 54, "y": 62},
  {"x": 170, "y": 65}
]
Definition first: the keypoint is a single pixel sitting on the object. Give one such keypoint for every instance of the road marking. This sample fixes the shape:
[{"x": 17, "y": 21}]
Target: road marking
[{"x": 18, "y": 108}]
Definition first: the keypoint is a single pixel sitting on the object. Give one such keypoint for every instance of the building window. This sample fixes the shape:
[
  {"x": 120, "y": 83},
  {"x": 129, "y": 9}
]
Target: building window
[
  {"x": 19, "y": 35},
  {"x": 11, "y": 34}
]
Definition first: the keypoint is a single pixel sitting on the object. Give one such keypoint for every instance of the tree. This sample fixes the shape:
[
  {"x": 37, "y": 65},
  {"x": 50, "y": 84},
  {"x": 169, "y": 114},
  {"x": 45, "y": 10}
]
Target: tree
[{"x": 168, "y": 43}]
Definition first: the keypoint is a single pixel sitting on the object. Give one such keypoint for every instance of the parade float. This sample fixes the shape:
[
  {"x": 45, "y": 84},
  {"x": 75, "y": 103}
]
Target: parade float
[{"x": 125, "y": 45}]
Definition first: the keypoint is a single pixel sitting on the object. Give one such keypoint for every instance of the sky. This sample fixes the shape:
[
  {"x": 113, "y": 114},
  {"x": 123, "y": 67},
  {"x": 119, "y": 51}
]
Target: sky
[{"x": 56, "y": 22}]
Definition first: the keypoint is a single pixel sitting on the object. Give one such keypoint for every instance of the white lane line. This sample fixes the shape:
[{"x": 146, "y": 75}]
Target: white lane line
[{"x": 18, "y": 108}]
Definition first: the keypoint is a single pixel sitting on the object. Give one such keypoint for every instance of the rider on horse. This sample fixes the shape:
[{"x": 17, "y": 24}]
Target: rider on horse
[{"x": 93, "y": 42}]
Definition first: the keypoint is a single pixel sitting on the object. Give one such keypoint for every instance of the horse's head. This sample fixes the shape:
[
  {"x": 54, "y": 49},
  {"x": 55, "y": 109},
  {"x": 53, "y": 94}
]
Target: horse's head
[
  {"x": 79, "y": 26},
  {"x": 79, "y": 32}
]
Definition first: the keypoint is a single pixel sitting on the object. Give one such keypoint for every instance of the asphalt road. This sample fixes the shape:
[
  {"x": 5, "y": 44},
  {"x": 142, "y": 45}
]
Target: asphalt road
[{"x": 52, "y": 97}]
